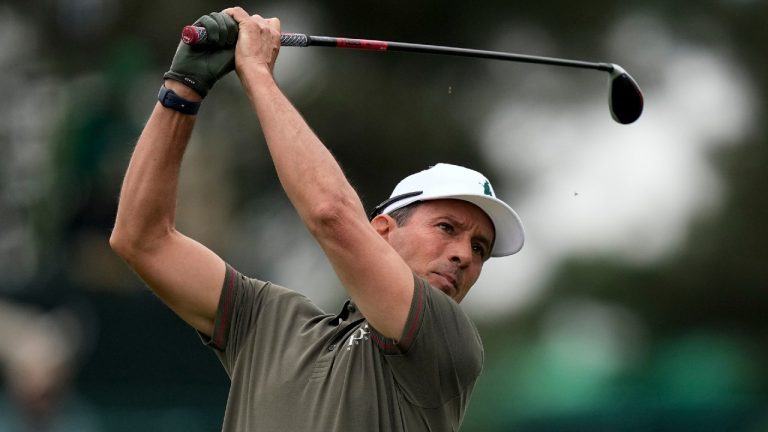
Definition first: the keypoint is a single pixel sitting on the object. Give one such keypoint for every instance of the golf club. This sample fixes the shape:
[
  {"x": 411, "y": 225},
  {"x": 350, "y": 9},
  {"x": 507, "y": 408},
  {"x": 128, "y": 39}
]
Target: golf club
[{"x": 625, "y": 99}]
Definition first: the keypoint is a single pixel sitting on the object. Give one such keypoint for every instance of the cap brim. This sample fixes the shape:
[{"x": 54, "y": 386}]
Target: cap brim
[{"x": 510, "y": 234}]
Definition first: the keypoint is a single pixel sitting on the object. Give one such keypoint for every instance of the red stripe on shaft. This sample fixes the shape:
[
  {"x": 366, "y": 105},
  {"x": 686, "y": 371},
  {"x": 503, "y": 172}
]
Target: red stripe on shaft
[{"x": 361, "y": 44}]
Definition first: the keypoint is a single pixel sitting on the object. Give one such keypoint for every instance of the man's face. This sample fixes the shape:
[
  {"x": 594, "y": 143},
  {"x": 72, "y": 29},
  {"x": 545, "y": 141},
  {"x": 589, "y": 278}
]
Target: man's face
[{"x": 445, "y": 242}]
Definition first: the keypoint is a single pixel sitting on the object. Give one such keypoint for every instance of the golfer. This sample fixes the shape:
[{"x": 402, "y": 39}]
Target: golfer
[{"x": 401, "y": 355}]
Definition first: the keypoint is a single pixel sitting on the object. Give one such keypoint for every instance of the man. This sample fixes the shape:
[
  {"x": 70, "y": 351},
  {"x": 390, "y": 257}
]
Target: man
[{"x": 401, "y": 355}]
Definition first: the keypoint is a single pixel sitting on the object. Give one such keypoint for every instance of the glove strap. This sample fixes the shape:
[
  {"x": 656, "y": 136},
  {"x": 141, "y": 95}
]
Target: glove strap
[{"x": 169, "y": 99}]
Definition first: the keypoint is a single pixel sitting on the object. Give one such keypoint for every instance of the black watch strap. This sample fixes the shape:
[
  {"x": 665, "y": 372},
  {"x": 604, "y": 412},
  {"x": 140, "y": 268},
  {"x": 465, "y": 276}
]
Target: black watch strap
[{"x": 169, "y": 99}]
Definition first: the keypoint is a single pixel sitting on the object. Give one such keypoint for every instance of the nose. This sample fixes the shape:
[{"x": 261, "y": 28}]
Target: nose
[{"x": 461, "y": 254}]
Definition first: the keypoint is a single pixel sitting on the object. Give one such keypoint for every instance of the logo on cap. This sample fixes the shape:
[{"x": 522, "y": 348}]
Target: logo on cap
[{"x": 487, "y": 188}]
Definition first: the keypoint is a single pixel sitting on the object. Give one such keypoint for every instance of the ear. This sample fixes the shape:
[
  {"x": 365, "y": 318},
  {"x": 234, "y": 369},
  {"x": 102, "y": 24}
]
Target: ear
[{"x": 384, "y": 224}]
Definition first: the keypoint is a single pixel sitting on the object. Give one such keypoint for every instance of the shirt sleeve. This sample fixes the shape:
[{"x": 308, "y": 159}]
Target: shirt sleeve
[
  {"x": 440, "y": 354},
  {"x": 247, "y": 305}
]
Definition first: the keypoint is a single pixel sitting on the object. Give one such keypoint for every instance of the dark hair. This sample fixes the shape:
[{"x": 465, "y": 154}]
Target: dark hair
[{"x": 402, "y": 214}]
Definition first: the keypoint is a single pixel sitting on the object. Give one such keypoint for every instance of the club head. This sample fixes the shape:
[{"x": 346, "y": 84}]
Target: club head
[{"x": 624, "y": 98}]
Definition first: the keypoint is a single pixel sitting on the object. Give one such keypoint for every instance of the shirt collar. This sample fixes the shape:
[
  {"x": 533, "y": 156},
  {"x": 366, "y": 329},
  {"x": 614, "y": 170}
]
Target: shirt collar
[{"x": 348, "y": 312}]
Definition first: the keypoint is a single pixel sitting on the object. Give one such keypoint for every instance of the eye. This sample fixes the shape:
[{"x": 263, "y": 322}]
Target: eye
[
  {"x": 479, "y": 249},
  {"x": 445, "y": 226}
]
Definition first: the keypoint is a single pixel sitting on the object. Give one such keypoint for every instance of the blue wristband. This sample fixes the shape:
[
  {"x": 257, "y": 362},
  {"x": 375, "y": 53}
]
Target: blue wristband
[{"x": 169, "y": 99}]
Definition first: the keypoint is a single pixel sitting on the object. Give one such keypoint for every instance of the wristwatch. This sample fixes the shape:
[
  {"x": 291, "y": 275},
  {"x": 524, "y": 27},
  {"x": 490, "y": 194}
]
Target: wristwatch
[{"x": 169, "y": 99}]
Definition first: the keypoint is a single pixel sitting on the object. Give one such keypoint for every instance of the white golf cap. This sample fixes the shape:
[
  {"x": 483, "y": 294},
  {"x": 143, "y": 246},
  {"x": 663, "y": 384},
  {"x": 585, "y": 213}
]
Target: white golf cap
[{"x": 446, "y": 181}]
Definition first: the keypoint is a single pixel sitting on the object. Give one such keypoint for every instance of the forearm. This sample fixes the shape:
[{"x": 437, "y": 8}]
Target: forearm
[
  {"x": 375, "y": 276},
  {"x": 146, "y": 210},
  {"x": 308, "y": 172}
]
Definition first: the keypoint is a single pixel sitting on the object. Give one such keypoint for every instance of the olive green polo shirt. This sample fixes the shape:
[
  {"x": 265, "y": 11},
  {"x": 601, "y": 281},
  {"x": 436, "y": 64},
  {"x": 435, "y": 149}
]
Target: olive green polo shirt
[{"x": 294, "y": 368}]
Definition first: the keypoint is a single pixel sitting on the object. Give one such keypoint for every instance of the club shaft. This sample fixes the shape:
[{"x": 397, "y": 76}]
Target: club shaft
[
  {"x": 625, "y": 98},
  {"x": 193, "y": 35},
  {"x": 376, "y": 45}
]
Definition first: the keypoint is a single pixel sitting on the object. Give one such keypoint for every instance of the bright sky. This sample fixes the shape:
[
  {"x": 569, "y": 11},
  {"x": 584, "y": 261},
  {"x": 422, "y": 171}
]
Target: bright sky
[{"x": 594, "y": 187}]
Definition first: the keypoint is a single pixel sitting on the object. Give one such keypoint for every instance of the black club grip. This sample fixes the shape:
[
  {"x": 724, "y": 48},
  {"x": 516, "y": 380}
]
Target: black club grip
[
  {"x": 194, "y": 35},
  {"x": 294, "y": 40}
]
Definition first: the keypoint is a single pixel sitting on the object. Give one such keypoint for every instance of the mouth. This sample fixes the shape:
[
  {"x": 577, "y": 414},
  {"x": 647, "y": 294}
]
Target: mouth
[{"x": 445, "y": 283}]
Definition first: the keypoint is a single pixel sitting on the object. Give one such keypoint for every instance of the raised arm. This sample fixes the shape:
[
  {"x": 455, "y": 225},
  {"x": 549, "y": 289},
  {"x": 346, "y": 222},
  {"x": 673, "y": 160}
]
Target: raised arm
[
  {"x": 377, "y": 279},
  {"x": 183, "y": 273},
  {"x": 186, "y": 275}
]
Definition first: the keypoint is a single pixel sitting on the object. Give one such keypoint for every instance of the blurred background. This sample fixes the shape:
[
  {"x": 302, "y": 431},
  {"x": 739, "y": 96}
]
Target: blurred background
[{"x": 638, "y": 303}]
